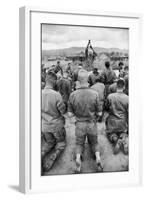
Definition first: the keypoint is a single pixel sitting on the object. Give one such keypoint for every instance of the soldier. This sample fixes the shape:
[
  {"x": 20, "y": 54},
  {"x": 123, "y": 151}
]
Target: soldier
[
  {"x": 108, "y": 76},
  {"x": 121, "y": 70},
  {"x": 99, "y": 87},
  {"x": 64, "y": 87},
  {"x": 126, "y": 78},
  {"x": 113, "y": 87},
  {"x": 43, "y": 76},
  {"x": 117, "y": 121},
  {"x": 126, "y": 70},
  {"x": 84, "y": 105},
  {"x": 69, "y": 70},
  {"x": 93, "y": 76},
  {"x": 53, "y": 131},
  {"x": 75, "y": 77},
  {"x": 58, "y": 68},
  {"x": 90, "y": 56}
]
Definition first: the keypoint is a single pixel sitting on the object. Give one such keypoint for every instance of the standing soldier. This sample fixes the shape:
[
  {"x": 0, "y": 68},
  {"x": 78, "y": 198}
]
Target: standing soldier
[
  {"x": 121, "y": 70},
  {"x": 90, "y": 56},
  {"x": 58, "y": 68},
  {"x": 108, "y": 76},
  {"x": 117, "y": 121},
  {"x": 84, "y": 104},
  {"x": 53, "y": 131},
  {"x": 69, "y": 70}
]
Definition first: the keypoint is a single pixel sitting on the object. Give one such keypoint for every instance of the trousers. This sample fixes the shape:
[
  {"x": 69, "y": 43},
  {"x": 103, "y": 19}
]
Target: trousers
[
  {"x": 85, "y": 130},
  {"x": 52, "y": 144}
]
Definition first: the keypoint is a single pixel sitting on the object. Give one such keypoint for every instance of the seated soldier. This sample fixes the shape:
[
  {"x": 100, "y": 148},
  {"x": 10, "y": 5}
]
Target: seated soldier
[
  {"x": 117, "y": 121},
  {"x": 85, "y": 106},
  {"x": 53, "y": 131}
]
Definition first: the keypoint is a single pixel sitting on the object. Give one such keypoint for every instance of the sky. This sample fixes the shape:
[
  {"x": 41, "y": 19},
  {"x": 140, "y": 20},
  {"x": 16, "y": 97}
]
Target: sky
[{"x": 65, "y": 36}]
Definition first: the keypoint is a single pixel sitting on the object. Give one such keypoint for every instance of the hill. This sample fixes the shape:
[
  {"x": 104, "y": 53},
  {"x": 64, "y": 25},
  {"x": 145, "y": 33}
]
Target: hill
[{"x": 76, "y": 50}]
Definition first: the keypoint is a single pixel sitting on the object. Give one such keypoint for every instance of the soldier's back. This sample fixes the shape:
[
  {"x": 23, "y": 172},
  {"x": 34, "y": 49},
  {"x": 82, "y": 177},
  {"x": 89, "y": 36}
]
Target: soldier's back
[{"x": 84, "y": 103}]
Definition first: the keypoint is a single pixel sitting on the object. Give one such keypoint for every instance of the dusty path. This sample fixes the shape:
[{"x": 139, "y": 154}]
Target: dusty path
[{"x": 66, "y": 164}]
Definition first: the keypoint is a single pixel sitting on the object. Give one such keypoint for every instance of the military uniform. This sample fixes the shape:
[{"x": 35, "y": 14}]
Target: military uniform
[
  {"x": 93, "y": 78},
  {"x": 113, "y": 88},
  {"x": 84, "y": 104},
  {"x": 117, "y": 121},
  {"x": 57, "y": 69},
  {"x": 100, "y": 88},
  {"x": 108, "y": 77},
  {"x": 64, "y": 87},
  {"x": 53, "y": 132}
]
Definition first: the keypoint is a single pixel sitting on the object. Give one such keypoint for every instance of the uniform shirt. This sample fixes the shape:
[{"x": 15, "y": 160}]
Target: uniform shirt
[
  {"x": 92, "y": 78},
  {"x": 108, "y": 76},
  {"x": 117, "y": 105},
  {"x": 52, "y": 111},
  {"x": 84, "y": 104},
  {"x": 113, "y": 88},
  {"x": 100, "y": 88},
  {"x": 64, "y": 87},
  {"x": 57, "y": 69}
]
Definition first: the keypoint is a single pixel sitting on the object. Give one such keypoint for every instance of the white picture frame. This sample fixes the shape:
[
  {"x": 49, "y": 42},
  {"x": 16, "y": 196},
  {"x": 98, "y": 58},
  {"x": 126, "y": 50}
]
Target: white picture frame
[{"x": 30, "y": 176}]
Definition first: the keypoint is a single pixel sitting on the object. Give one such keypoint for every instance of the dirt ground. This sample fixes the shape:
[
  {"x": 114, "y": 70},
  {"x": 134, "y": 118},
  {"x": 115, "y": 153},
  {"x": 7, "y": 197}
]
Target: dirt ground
[{"x": 66, "y": 163}]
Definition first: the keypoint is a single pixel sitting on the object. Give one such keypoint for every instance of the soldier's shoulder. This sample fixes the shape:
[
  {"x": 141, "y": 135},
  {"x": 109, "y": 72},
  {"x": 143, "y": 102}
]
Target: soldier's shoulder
[
  {"x": 73, "y": 93},
  {"x": 125, "y": 96},
  {"x": 112, "y": 95},
  {"x": 55, "y": 93},
  {"x": 92, "y": 91}
]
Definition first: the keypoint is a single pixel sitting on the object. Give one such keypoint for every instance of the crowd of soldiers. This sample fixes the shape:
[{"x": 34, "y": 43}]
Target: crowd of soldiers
[{"x": 89, "y": 98}]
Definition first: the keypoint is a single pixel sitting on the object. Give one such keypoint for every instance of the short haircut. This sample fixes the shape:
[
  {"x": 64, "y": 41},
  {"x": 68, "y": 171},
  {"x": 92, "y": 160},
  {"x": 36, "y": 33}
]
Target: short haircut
[
  {"x": 98, "y": 79},
  {"x": 51, "y": 77},
  {"x": 107, "y": 64},
  {"x": 82, "y": 76},
  {"x": 120, "y": 84}
]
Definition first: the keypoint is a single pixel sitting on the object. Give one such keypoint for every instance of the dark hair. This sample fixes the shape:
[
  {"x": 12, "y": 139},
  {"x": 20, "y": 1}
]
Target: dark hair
[
  {"x": 120, "y": 84},
  {"x": 58, "y": 62},
  {"x": 107, "y": 64}
]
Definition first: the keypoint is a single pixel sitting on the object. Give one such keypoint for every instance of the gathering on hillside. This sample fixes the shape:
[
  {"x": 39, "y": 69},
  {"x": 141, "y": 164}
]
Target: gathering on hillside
[{"x": 90, "y": 97}]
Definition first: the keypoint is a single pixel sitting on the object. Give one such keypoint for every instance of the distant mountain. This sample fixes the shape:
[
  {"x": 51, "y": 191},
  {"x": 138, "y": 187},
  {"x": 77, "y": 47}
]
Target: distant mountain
[{"x": 75, "y": 50}]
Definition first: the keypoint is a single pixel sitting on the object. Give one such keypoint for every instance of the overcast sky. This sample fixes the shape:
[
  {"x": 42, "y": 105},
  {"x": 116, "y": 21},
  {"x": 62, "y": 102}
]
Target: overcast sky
[{"x": 60, "y": 36}]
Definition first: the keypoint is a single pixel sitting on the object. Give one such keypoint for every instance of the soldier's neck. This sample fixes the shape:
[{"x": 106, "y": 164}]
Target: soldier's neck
[
  {"x": 119, "y": 90},
  {"x": 49, "y": 86}
]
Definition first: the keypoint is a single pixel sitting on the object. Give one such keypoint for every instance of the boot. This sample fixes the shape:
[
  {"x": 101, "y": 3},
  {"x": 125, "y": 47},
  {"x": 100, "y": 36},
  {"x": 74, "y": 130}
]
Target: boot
[
  {"x": 98, "y": 162},
  {"x": 118, "y": 146},
  {"x": 49, "y": 160},
  {"x": 125, "y": 148},
  {"x": 78, "y": 163}
]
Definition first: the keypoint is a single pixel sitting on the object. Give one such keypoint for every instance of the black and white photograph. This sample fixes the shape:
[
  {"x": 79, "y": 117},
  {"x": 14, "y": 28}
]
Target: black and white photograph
[{"x": 84, "y": 99}]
